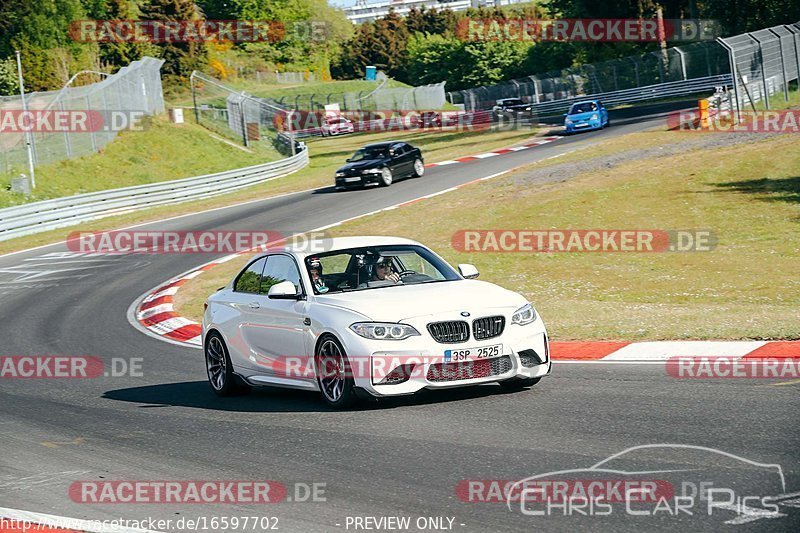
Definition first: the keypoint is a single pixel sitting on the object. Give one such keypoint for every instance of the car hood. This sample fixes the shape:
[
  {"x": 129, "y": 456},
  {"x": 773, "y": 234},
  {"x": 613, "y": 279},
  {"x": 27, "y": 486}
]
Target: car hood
[
  {"x": 396, "y": 303},
  {"x": 583, "y": 116},
  {"x": 367, "y": 163}
]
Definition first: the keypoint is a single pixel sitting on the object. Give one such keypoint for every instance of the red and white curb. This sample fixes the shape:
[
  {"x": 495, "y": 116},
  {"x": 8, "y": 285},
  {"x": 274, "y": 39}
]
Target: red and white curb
[
  {"x": 154, "y": 313},
  {"x": 493, "y": 153},
  {"x": 661, "y": 351}
]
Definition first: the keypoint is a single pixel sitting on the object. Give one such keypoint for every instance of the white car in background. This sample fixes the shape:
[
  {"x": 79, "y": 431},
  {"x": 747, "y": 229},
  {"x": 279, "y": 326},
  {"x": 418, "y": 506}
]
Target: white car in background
[
  {"x": 337, "y": 126},
  {"x": 368, "y": 317}
]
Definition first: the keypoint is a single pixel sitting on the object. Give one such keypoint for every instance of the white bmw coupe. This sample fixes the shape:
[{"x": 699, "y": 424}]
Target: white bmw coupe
[{"x": 368, "y": 317}]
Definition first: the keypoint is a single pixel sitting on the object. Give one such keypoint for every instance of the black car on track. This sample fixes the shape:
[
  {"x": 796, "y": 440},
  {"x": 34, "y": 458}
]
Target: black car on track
[{"x": 381, "y": 163}]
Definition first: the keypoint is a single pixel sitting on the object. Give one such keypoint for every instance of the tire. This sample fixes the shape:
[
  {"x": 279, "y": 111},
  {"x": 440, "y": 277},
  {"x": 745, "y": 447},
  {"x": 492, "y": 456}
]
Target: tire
[
  {"x": 219, "y": 369},
  {"x": 517, "y": 384},
  {"x": 419, "y": 168},
  {"x": 334, "y": 374},
  {"x": 386, "y": 177}
]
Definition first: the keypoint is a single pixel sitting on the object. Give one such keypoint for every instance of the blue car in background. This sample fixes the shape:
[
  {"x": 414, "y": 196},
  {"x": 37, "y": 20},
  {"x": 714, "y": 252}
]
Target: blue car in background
[{"x": 587, "y": 115}]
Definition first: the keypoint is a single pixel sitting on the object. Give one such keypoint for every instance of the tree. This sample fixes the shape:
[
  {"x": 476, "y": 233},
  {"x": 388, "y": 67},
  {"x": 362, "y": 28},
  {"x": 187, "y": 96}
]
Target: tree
[{"x": 180, "y": 58}]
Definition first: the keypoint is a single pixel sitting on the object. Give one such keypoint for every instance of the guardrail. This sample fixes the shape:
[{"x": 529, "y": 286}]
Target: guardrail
[{"x": 62, "y": 212}]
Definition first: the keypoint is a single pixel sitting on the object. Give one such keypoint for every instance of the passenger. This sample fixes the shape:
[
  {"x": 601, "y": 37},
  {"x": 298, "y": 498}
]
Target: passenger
[{"x": 315, "y": 269}]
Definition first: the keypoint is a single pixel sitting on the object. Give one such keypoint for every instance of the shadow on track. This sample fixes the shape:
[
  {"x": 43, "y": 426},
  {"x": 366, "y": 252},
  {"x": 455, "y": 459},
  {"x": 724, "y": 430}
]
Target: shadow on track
[{"x": 197, "y": 394}]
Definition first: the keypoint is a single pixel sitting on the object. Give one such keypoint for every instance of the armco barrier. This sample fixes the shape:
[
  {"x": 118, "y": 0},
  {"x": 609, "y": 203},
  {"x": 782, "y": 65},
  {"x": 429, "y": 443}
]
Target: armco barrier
[{"x": 61, "y": 212}]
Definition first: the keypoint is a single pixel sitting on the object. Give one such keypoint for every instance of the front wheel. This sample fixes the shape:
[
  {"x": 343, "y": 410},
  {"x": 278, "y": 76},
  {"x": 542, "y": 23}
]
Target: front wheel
[
  {"x": 419, "y": 168},
  {"x": 386, "y": 177},
  {"x": 334, "y": 374}
]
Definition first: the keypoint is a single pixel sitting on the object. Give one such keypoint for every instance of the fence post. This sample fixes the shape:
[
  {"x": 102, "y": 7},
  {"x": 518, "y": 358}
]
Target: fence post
[
  {"x": 683, "y": 62},
  {"x": 796, "y": 41},
  {"x": 763, "y": 73},
  {"x": 194, "y": 99},
  {"x": 243, "y": 121},
  {"x": 636, "y": 71},
  {"x": 783, "y": 66},
  {"x": 67, "y": 146},
  {"x": 734, "y": 78}
]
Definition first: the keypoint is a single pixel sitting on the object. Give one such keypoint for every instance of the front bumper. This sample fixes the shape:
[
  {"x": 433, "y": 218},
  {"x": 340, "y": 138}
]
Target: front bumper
[
  {"x": 583, "y": 126},
  {"x": 357, "y": 180},
  {"x": 524, "y": 354}
]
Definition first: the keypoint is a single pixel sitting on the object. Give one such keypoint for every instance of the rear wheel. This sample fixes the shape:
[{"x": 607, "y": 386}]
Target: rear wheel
[
  {"x": 419, "y": 168},
  {"x": 386, "y": 177},
  {"x": 516, "y": 384},
  {"x": 334, "y": 374},
  {"x": 219, "y": 368}
]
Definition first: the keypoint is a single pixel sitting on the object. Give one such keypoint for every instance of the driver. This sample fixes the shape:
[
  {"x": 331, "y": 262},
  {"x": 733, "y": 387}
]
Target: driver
[
  {"x": 383, "y": 271},
  {"x": 315, "y": 269}
]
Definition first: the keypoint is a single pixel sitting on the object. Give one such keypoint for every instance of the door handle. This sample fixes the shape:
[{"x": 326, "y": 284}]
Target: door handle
[{"x": 254, "y": 305}]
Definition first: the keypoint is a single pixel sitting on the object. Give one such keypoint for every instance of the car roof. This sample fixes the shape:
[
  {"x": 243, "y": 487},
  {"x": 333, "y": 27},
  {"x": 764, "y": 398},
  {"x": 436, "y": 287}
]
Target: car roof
[
  {"x": 585, "y": 102},
  {"x": 384, "y": 144},
  {"x": 341, "y": 243}
]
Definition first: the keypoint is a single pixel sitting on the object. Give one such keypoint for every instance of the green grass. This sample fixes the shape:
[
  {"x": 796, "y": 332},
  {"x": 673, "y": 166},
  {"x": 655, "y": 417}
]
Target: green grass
[{"x": 161, "y": 151}]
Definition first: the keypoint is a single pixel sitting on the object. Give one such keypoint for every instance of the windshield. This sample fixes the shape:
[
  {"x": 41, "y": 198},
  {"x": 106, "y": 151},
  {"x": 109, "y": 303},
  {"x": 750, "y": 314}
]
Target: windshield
[
  {"x": 511, "y": 102},
  {"x": 584, "y": 107},
  {"x": 356, "y": 269},
  {"x": 367, "y": 153}
]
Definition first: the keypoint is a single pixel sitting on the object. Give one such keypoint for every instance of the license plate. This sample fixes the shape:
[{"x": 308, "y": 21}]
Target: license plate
[
  {"x": 473, "y": 354},
  {"x": 356, "y": 178}
]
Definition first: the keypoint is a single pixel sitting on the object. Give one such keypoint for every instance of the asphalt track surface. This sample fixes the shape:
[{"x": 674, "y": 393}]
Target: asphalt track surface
[{"x": 403, "y": 457}]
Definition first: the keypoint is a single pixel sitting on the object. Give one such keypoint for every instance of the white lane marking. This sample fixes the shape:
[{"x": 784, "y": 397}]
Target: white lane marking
[
  {"x": 38, "y": 480},
  {"x": 61, "y": 521},
  {"x": 448, "y": 162},
  {"x": 663, "y": 350},
  {"x": 484, "y": 156}
]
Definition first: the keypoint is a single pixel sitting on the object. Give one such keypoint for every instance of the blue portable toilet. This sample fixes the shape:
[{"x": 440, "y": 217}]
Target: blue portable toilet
[{"x": 371, "y": 73}]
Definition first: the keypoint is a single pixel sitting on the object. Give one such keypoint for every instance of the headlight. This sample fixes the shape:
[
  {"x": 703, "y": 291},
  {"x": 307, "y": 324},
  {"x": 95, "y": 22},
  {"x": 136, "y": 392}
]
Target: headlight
[
  {"x": 340, "y": 174},
  {"x": 371, "y": 171},
  {"x": 528, "y": 108},
  {"x": 567, "y": 121},
  {"x": 524, "y": 315},
  {"x": 384, "y": 331},
  {"x": 594, "y": 117}
]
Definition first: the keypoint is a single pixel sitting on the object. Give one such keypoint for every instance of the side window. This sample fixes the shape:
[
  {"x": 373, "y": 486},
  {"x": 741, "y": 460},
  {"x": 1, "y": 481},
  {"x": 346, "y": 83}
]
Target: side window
[
  {"x": 279, "y": 268},
  {"x": 249, "y": 279}
]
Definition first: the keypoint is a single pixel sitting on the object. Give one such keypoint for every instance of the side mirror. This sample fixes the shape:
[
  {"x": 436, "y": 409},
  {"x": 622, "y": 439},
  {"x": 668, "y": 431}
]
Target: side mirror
[
  {"x": 348, "y": 160},
  {"x": 285, "y": 290},
  {"x": 468, "y": 271},
  {"x": 566, "y": 114}
]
